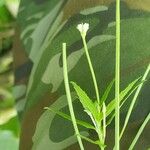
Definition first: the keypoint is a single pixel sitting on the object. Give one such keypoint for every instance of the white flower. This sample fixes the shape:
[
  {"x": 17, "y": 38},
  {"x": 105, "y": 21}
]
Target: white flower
[{"x": 83, "y": 28}]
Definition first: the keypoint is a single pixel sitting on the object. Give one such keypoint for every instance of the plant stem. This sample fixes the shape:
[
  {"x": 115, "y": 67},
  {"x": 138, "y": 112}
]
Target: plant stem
[
  {"x": 134, "y": 100},
  {"x": 91, "y": 69},
  {"x": 139, "y": 132},
  {"x": 100, "y": 134},
  {"x": 100, "y": 137},
  {"x": 117, "y": 76},
  {"x": 68, "y": 94},
  {"x": 104, "y": 121}
]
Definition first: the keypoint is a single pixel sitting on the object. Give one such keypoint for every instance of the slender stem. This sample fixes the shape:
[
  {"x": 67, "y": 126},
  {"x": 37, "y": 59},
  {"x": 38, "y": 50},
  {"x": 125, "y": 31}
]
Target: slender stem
[
  {"x": 104, "y": 121},
  {"x": 68, "y": 94},
  {"x": 91, "y": 69},
  {"x": 139, "y": 132},
  {"x": 98, "y": 124},
  {"x": 117, "y": 76},
  {"x": 134, "y": 100}
]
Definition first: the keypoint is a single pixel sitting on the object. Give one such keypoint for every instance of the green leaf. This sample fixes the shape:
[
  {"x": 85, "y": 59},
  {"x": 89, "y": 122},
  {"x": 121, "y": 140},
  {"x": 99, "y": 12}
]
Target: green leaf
[
  {"x": 123, "y": 101},
  {"x": 106, "y": 93},
  {"x": 110, "y": 119},
  {"x": 89, "y": 140},
  {"x": 111, "y": 105},
  {"x": 131, "y": 92},
  {"x": 86, "y": 102},
  {"x": 65, "y": 116}
]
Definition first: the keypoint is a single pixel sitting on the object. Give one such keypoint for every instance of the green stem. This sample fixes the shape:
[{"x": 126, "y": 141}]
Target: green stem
[
  {"x": 134, "y": 100},
  {"x": 91, "y": 69},
  {"x": 139, "y": 132},
  {"x": 117, "y": 76},
  {"x": 98, "y": 130},
  {"x": 98, "y": 124},
  {"x": 100, "y": 137},
  {"x": 68, "y": 94},
  {"x": 104, "y": 122}
]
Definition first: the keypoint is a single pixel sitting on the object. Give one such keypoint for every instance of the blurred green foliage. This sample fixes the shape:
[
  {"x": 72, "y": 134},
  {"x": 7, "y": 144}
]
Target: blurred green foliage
[
  {"x": 8, "y": 141},
  {"x": 12, "y": 125},
  {"x": 6, "y": 41},
  {"x": 9, "y": 123}
]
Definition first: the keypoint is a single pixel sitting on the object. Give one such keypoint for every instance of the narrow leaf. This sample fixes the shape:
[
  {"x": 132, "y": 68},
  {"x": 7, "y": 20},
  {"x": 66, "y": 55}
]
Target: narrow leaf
[
  {"x": 123, "y": 101},
  {"x": 93, "y": 142},
  {"x": 107, "y": 91},
  {"x": 123, "y": 94},
  {"x": 86, "y": 102},
  {"x": 89, "y": 140},
  {"x": 110, "y": 119},
  {"x": 65, "y": 116}
]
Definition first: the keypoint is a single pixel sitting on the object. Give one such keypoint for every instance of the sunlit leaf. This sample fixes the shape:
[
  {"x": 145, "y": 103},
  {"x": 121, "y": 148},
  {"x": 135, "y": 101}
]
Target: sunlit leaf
[{"x": 87, "y": 103}]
